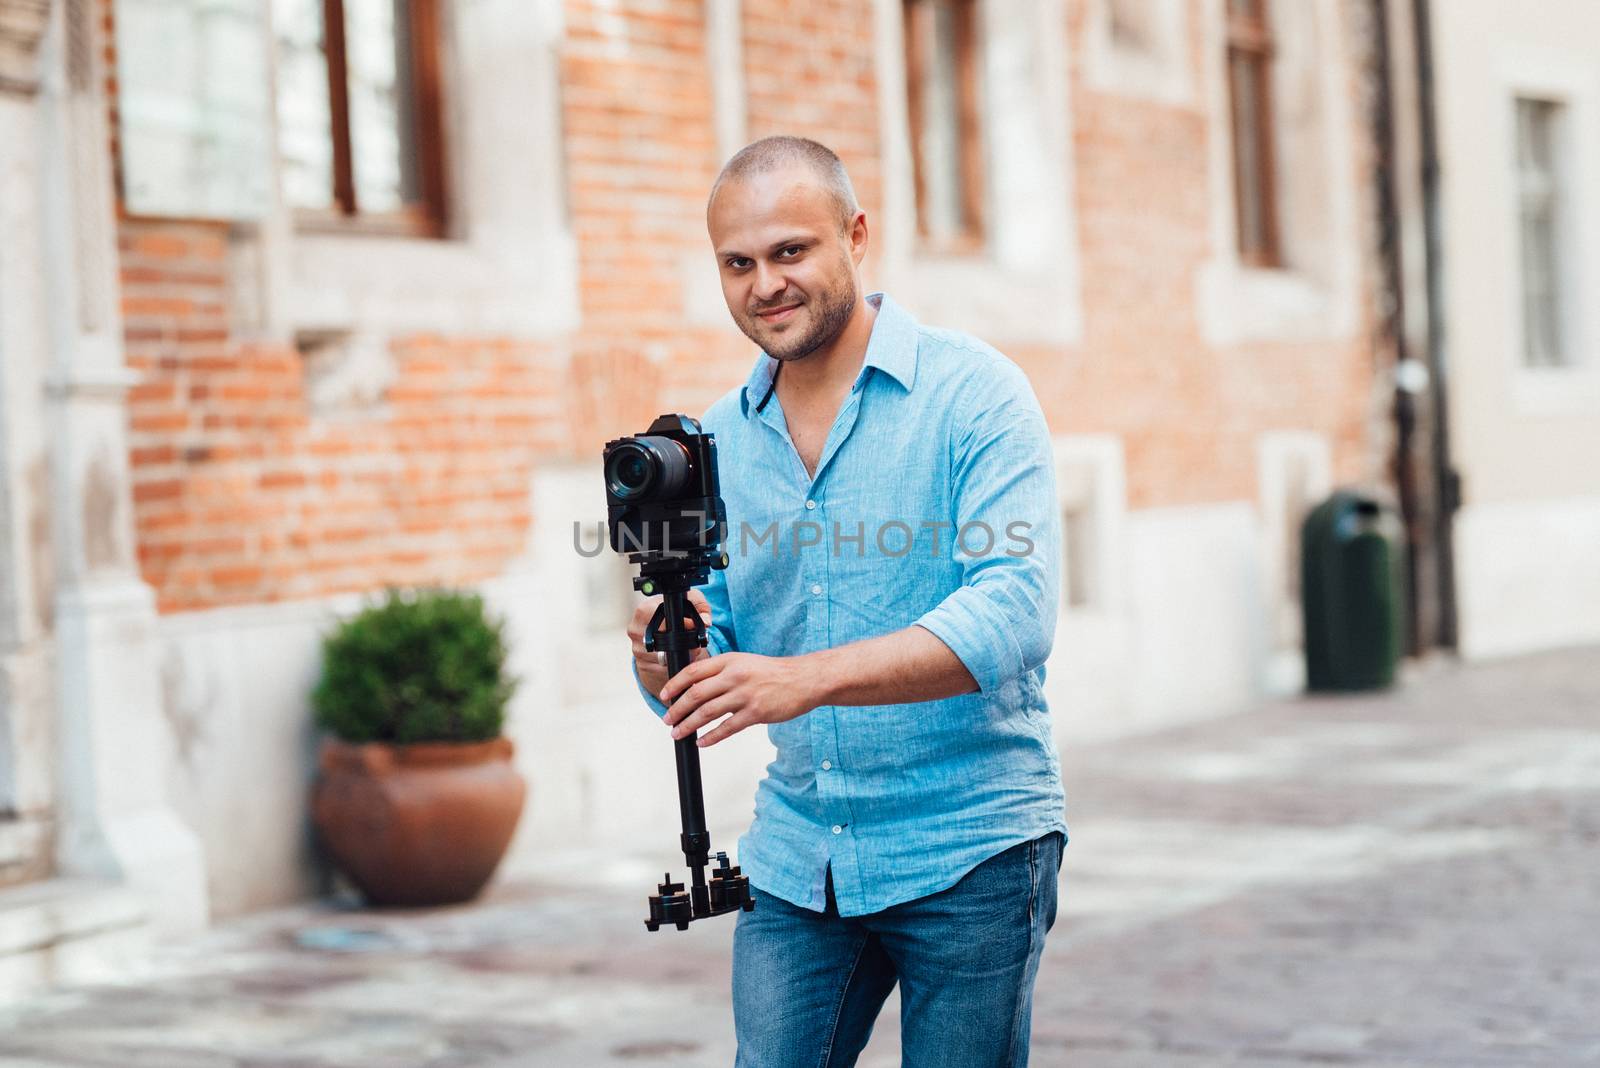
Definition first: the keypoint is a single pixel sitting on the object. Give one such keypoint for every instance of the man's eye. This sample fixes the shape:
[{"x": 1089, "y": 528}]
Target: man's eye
[
  {"x": 791, "y": 248},
  {"x": 738, "y": 263}
]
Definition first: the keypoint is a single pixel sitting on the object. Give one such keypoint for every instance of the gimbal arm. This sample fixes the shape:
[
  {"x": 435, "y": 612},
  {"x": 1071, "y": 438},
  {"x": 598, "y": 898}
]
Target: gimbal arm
[{"x": 728, "y": 889}]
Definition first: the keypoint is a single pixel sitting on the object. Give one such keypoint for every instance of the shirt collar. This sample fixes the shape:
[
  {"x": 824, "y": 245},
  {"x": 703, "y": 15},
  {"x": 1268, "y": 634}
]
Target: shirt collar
[{"x": 892, "y": 349}]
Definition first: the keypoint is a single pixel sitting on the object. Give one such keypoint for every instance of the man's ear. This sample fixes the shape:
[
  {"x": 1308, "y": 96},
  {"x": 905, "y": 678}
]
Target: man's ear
[{"x": 858, "y": 237}]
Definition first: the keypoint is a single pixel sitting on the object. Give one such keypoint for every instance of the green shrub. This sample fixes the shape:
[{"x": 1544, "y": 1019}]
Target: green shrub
[{"x": 426, "y": 666}]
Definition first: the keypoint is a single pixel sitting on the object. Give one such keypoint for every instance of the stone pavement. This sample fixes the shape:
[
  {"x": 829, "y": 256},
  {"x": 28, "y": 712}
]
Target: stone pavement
[{"x": 1404, "y": 879}]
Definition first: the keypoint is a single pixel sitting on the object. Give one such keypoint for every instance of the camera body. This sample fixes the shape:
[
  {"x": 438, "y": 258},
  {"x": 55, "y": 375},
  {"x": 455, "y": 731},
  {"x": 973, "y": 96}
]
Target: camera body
[
  {"x": 663, "y": 501},
  {"x": 664, "y": 510}
]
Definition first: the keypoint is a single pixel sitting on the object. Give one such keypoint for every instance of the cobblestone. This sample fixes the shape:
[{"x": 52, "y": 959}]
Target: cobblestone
[{"x": 1405, "y": 879}]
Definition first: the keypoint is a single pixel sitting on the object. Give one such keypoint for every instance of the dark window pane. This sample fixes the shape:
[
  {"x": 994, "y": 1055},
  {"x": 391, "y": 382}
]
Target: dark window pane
[
  {"x": 1133, "y": 25},
  {"x": 1249, "y": 154},
  {"x": 941, "y": 65},
  {"x": 1076, "y": 556},
  {"x": 939, "y": 139}
]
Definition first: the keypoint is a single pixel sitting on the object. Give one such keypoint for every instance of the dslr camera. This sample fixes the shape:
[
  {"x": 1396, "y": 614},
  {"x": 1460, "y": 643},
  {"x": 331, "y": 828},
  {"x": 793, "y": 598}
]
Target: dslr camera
[
  {"x": 663, "y": 502},
  {"x": 664, "y": 510}
]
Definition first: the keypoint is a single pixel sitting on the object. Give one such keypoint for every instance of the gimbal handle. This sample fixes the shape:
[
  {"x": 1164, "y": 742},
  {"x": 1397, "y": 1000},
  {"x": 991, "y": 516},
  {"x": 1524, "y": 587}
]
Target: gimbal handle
[{"x": 728, "y": 889}]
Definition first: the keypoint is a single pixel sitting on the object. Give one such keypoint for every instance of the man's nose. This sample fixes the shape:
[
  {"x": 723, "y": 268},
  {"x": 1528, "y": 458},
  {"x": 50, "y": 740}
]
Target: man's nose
[{"x": 769, "y": 282}]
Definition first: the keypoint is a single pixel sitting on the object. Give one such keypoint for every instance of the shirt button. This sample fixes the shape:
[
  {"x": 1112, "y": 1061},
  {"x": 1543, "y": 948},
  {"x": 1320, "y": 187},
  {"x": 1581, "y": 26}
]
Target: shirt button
[
  {"x": 810, "y": 505},
  {"x": 837, "y": 829},
  {"x": 815, "y": 588},
  {"x": 827, "y": 765}
]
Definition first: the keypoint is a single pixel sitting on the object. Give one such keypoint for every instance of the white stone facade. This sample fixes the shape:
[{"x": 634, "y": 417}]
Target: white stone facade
[
  {"x": 83, "y": 752},
  {"x": 1524, "y": 438}
]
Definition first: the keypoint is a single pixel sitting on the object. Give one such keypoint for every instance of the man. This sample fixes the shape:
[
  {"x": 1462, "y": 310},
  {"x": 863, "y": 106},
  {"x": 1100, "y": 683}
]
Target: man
[{"x": 910, "y": 828}]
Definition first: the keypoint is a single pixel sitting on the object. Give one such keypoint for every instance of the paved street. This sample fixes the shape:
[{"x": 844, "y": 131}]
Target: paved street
[{"x": 1408, "y": 879}]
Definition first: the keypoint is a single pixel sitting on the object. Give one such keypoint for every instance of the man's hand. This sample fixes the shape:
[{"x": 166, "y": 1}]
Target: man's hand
[
  {"x": 745, "y": 687},
  {"x": 653, "y": 672}
]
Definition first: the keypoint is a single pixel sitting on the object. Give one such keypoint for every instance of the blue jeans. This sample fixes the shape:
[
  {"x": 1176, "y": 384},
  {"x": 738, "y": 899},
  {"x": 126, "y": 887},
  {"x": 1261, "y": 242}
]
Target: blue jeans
[{"x": 807, "y": 986}]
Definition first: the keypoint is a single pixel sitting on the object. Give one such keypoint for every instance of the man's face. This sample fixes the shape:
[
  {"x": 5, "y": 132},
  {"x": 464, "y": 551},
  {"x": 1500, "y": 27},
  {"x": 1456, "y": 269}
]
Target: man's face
[{"x": 788, "y": 272}]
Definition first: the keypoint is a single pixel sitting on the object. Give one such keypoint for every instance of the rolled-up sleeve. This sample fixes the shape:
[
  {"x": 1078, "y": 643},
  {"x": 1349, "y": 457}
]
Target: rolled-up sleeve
[{"x": 1001, "y": 621}]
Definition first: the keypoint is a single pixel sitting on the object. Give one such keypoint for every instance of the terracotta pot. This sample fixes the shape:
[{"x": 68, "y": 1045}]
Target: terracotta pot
[{"x": 419, "y": 824}]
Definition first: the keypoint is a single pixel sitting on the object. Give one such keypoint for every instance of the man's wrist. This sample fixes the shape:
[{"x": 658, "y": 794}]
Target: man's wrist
[{"x": 819, "y": 672}]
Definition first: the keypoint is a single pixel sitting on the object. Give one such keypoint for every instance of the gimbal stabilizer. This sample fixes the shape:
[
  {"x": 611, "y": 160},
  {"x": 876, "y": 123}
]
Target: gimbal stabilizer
[
  {"x": 728, "y": 889},
  {"x": 665, "y": 512}
]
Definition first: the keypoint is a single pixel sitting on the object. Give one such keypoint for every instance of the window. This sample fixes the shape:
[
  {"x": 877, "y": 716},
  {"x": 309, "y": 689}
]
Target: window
[
  {"x": 1139, "y": 49},
  {"x": 1016, "y": 240},
  {"x": 946, "y": 143},
  {"x": 1077, "y": 555},
  {"x": 1249, "y": 86},
  {"x": 358, "y": 112},
  {"x": 1294, "y": 500},
  {"x": 195, "y": 118},
  {"x": 1090, "y": 489},
  {"x": 1540, "y": 199},
  {"x": 1133, "y": 26}
]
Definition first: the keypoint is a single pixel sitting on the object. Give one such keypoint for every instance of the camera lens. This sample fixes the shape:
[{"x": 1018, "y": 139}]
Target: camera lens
[
  {"x": 629, "y": 471},
  {"x": 647, "y": 467},
  {"x": 633, "y": 472}
]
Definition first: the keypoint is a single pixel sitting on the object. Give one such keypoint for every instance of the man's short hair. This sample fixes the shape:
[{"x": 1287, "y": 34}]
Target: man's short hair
[{"x": 772, "y": 153}]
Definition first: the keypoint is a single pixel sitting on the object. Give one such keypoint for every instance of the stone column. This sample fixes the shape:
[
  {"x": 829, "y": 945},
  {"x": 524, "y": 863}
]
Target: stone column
[
  {"x": 27, "y": 711},
  {"x": 116, "y": 747}
]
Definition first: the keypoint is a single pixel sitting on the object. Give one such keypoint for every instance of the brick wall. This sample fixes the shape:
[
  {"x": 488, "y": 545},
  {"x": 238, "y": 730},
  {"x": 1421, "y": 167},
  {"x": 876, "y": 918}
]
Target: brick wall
[
  {"x": 641, "y": 155},
  {"x": 1188, "y": 412},
  {"x": 243, "y": 493},
  {"x": 809, "y": 71}
]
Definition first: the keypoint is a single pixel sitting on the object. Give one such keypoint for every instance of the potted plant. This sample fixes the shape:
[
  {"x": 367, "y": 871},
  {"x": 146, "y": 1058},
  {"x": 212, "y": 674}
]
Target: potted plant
[{"x": 416, "y": 798}]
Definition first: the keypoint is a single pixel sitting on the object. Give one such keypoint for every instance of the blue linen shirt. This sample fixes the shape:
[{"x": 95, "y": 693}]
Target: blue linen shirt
[{"x": 933, "y": 504}]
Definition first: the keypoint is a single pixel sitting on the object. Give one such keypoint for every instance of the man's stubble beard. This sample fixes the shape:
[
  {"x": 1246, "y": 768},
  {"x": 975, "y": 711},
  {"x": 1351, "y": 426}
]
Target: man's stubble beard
[{"x": 830, "y": 312}]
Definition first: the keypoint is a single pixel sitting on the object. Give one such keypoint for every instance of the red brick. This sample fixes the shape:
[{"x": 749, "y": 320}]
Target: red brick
[
  {"x": 228, "y": 457},
  {"x": 164, "y": 490},
  {"x": 247, "y": 575},
  {"x": 158, "y": 245},
  {"x": 282, "y": 480}
]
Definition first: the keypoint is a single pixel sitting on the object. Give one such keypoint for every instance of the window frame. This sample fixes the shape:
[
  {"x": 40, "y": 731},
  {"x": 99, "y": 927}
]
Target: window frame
[
  {"x": 971, "y": 236},
  {"x": 1249, "y": 37},
  {"x": 427, "y": 216},
  {"x": 1555, "y": 195},
  {"x": 1561, "y": 74}
]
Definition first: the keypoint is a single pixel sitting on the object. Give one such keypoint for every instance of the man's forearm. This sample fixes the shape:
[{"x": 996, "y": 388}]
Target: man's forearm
[{"x": 908, "y": 665}]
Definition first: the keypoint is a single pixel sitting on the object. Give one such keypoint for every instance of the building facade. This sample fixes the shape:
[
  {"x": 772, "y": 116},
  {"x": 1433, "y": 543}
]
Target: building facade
[
  {"x": 1518, "y": 152},
  {"x": 303, "y": 298}
]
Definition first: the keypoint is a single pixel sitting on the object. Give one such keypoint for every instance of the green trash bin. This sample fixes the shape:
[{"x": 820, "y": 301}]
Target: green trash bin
[{"x": 1352, "y": 591}]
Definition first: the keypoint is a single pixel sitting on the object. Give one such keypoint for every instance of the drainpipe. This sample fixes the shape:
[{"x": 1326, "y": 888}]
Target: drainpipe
[
  {"x": 1413, "y": 505},
  {"x": 1447, "y": 481}
]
